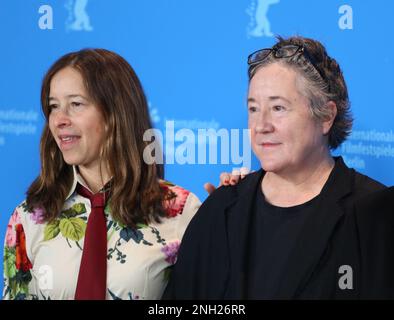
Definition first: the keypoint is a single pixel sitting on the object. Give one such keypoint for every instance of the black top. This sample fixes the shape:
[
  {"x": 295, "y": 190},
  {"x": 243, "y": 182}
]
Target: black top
[
  {"x": 276, "y": 230},
  {"x": 214, "y": 256}
]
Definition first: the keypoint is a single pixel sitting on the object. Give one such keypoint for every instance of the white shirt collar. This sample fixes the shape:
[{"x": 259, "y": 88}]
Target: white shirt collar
[{"x": 77, "y": 179}]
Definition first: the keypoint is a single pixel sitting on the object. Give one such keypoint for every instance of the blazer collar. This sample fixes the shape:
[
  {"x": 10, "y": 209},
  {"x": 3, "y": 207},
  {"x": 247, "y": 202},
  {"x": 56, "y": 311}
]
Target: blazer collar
[
  {"x": 341, "y": 176},
  {"x": 312, "y": 242}
]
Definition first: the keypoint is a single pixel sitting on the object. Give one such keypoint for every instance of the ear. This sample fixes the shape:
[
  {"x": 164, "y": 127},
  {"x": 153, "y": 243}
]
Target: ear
[{"x": 327, "y": 123}]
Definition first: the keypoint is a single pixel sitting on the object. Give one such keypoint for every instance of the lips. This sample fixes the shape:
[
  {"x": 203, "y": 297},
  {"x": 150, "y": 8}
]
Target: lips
[
  {"x": 269, "y": 144},
  {"x": 66, "y": 142}
]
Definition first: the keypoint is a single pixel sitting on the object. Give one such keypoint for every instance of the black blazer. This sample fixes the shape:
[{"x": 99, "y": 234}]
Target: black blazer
[
  {"x": 375, "y": 214},
  {"x": 213, "y": 257}
]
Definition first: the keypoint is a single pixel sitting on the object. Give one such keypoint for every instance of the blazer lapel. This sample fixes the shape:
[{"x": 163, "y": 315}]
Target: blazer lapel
[{"x": 239, "y": 217}]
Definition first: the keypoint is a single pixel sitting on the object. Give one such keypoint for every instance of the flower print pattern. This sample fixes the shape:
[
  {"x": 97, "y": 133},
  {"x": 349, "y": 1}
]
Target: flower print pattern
[
  {"x": 37, "y": 216},
  {"x": 22, "y": 262},
  {"x": 174, "y": 199},
  {"x": 171, "y": 251},
  {"x": 17, "y": 265},
  {"x": 135, "y": 256},
  {"x": 70, "y": 225},
  {"x": 11, "y": 232}
]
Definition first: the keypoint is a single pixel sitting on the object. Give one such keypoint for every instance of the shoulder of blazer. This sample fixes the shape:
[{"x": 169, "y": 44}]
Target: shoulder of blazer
[
  {"x": 215, "y": 206},
  {"x": 364, "y": 185},
  {"x": 346, "y": 183},
  {"x": 227, "y": 195},
  {"x": 376, "y": 205}
]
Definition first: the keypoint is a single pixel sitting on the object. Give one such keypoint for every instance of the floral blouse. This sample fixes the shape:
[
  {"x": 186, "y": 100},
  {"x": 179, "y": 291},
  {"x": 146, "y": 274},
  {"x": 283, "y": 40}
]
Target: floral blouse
[{"x": 41, "y": 260}]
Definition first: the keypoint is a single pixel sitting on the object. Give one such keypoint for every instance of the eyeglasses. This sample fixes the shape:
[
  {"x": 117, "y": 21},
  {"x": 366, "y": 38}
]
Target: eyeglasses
[{"x": 283, "y": 52}]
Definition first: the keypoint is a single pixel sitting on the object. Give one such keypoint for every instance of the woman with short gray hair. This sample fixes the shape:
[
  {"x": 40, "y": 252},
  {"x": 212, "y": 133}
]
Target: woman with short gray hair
[{"x": 288, "y": 231}]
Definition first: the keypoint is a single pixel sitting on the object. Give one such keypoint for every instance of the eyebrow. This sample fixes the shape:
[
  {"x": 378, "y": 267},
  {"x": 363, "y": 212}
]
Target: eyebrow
[
  {"x": 279, "y": 98},
  {"x": 272, "y": 98},
  {"x": 71, "y": 96}
]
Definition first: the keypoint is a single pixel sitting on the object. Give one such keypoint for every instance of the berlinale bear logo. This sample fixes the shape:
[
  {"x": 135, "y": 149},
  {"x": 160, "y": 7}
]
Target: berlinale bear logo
[
  {"x": 262, "y": 26},
  {"x": 78, "y": 19}
]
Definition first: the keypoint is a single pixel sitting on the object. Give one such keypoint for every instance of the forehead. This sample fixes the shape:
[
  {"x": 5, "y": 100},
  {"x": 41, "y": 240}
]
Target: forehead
[
  {"x": 67, "y": 81},
  {"x": 275, "y": 79}
]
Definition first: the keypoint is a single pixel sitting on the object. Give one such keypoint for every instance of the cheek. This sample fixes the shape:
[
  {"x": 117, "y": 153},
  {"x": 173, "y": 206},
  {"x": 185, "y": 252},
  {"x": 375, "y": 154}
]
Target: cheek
[
  {"x": 304, "y": 139},
  {"x": 252, "y": 131},
  {"x": 95, "y": 135},
  {"x": 311, "y": 131},
  {"x": 251, "y": 123},
  {"x": 98, "y": 130},
  {"x": 51, "y": 124}
]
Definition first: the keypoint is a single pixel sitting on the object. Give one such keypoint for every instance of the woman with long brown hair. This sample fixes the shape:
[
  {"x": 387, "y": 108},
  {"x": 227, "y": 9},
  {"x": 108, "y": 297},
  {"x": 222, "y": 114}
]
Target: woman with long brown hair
[{"x": 98, "y": 222}]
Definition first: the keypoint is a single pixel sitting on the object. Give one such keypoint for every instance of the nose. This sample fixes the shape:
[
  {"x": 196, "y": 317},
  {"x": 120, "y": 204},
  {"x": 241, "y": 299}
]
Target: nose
[
  {"x": 60, "y": 118},
  {"x": 264, "y": 123}
]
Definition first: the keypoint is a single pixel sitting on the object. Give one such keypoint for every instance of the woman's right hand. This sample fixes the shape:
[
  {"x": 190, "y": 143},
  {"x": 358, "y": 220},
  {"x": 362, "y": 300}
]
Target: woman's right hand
[{"x": 228, "y": 179}]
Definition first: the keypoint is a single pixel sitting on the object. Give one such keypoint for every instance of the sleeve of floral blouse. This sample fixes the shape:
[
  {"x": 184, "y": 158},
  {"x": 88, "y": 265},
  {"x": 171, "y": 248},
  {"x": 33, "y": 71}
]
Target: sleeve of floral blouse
[
  {"x": 190, "y": 208},
  {"x": 17, "y": 265}
]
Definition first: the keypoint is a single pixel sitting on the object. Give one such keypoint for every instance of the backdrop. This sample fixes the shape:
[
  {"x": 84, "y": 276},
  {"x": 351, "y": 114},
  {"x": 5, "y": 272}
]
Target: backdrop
[{"x": 191, "y": 58}]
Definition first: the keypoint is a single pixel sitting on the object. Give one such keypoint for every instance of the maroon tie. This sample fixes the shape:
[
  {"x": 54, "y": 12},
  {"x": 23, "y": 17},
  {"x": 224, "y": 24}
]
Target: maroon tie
[{"x": 92, "y": 277}]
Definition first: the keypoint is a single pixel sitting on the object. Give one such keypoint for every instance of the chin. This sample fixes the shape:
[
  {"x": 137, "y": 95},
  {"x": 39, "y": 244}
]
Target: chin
[
  {"x": 70, "y": 161},
  {"x": 270, "y": 165}
]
